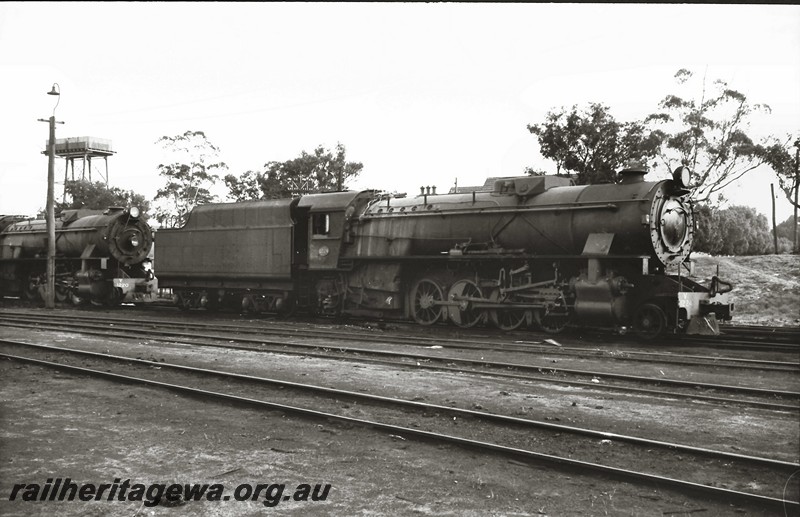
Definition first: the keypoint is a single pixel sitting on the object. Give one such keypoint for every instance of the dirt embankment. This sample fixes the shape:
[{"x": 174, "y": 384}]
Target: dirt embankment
[{"x": 766, "y": 288}]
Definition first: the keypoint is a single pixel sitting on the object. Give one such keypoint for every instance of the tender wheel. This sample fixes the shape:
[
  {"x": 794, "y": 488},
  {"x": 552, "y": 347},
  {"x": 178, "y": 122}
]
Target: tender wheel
[
  {"x": 249, "y": 306},
  {"x": 649, "y": 321},
  {"x": 424, "y": 298},
  {"x": 551, "y": 322},
  {"x": 210, "y": 301},
  {"x": 183, "y": 301},
  {"x": 463, "y": 314},
  {"x": 508, "y": 319},
  {"x": 287, "y": 308},
  {"x": 30, "y": 289}
]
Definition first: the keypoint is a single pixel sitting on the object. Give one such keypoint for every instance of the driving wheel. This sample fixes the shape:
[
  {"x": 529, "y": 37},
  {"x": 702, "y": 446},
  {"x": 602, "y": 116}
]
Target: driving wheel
[{"x": 426, "y": 297}]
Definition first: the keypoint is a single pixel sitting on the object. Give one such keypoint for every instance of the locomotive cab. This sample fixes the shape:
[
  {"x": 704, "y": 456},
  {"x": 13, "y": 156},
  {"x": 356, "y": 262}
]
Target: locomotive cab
[{"x": 328, "y": 221}]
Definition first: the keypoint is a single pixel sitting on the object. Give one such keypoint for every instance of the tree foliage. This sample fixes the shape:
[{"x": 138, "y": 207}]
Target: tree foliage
[
  {"x": 99, "y": 196},
  {"x": 785, "y": 164},
  {"x": 321, "y": 171},
  {"x": 709, "y": 135},
  {"x": 738, "y": 230},
  {"x": 786, "y": 233},
  {"x": 189, "y": 178},
  {"x": 786, "y": 228},
  {"x": 787, "y": 168},
  {"x": 591, "y": 143},
  {"x": 245, "y": 187}
]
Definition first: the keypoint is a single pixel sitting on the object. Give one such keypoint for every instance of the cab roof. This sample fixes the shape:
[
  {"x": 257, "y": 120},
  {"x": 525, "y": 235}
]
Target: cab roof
[{"x": 330, "y": 201}]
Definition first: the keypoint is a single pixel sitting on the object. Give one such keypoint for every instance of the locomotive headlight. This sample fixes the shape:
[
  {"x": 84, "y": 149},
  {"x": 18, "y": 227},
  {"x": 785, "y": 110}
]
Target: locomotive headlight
[
  {"x": 682, "y": 176},
  {"x": 323, "y": 251},
  {"x": 134, "y": 241},
  {"x": 134, "y": 211},
  {"x": 673, "y": 225}
]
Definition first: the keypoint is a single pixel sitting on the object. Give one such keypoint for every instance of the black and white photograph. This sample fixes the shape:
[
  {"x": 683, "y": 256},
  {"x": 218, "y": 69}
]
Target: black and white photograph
[{"x": 399, "y": 258}]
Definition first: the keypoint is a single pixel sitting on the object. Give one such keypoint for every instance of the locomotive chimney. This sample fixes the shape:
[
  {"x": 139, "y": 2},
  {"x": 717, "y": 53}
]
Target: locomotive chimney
[
  {"x": 427, "y": 191},
  {"x": 422, "y": 191},
  {"x": 633, "y": 172},
  {"x": 434, "y": 190}
]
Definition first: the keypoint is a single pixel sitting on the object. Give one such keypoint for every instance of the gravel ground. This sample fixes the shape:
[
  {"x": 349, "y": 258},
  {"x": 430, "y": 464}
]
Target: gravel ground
[{"x": 55, "y": 424}]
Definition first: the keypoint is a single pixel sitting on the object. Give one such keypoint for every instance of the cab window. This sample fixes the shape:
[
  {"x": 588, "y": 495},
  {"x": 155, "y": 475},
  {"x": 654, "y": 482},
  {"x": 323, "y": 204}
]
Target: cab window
[{"x": 320, "y": 224}]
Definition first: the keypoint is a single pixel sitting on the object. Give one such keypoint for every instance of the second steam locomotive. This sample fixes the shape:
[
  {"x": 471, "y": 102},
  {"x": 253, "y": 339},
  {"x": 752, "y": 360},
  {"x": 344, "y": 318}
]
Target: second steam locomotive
[
  {"x": 529, "y": 250},
  {"x": 101, "y": 256}
]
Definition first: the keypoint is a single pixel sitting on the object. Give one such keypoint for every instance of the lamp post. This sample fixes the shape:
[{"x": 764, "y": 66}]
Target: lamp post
[{"x": 50, "y": 288}]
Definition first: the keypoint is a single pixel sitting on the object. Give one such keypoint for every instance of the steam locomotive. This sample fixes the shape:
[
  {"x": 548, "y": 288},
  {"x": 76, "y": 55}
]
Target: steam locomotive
[
  {"x": 101, "y": 256},
  {"x": 529, "y": 250}
]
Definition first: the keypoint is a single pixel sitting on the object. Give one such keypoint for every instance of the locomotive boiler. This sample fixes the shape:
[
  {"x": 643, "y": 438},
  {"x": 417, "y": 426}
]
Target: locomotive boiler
[
  {"x": 101, "y": 256},
  {"x": 529, "y": 250}
]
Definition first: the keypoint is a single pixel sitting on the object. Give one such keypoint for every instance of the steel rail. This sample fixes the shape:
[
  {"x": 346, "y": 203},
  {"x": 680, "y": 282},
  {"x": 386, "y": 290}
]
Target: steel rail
[
  {"x": 417, "y": 404},
  {"x": 634, "y": 356},
  {"x": 763, "y": 329},
  {"x": 735, "y": 342},
  {"x": 687, "y": 340},
  {"x": 723, "y": 493},
  {"x": 723, "y": 341},
  {"x": 418, "y": 366},
  {"x": 458, "y": 360}
]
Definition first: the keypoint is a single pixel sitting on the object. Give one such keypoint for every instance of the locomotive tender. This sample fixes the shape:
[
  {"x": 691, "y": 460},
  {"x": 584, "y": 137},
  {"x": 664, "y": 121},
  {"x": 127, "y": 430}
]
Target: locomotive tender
[
  {"x": 100, "y": 256},
  {"x": 532, "y": 250}
]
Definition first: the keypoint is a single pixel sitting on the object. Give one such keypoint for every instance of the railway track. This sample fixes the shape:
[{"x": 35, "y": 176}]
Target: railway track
[
  {"x": 788, "y": 334},
  {"x": 299, "y": 344},
  {"x": 351, "y": 335},
  {"x": 785, "y": 343},
  {"x": 704, "y": 471},
  {"x": 732, "y": 337}
]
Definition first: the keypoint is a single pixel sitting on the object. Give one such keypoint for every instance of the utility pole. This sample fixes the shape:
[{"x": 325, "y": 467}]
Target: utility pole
[
  {"x": 774, "y": 228},
  {"x": 796, "y": 188},
  {"x": 50, "y": 289}
]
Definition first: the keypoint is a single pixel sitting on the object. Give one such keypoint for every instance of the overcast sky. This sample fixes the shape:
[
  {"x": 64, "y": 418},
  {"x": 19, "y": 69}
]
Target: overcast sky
[{"x": 421, "y": 94}]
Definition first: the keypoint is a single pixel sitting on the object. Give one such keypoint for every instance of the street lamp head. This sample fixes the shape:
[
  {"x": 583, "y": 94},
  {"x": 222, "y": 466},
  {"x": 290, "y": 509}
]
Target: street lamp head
[{"x": 55, "y": 90}]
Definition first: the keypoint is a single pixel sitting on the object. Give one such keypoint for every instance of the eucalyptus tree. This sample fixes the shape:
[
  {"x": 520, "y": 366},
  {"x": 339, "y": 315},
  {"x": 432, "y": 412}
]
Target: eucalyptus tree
[
  {"x": 591, "y": 144},
  {"x": 707, "y": 131},
  {"x": 189, "y": 177},
  {"x": 99, "y": 196},
  {"x": 323, "y": 170}
]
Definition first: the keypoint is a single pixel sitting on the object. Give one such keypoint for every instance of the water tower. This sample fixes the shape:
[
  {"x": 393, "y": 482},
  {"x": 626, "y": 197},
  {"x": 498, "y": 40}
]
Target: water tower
[{"x": 85, "y": 148}]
